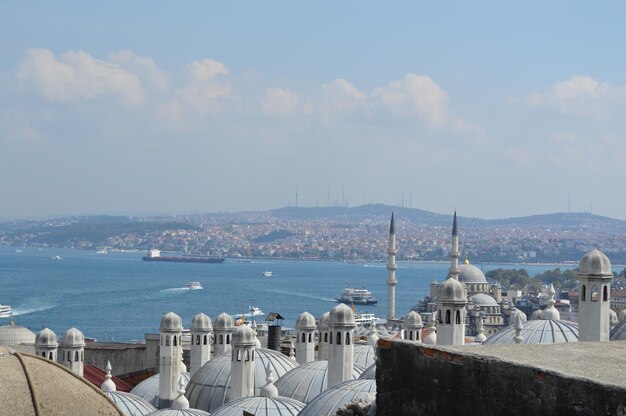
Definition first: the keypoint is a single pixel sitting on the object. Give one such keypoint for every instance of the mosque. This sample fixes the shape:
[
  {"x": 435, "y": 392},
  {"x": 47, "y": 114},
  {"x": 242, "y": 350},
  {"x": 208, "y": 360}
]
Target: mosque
[{"x": 332, "y": 370}]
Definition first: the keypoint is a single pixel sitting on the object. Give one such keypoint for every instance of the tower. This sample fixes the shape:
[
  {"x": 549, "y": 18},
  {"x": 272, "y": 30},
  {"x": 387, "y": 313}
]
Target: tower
[
  {"x": 454, "y": 251},
  {"x": 242, "y": 363},
  {"x": 73, "y": 351},
  {"x": 391, "y": 272},
  {"x": 595, "y": 276},
  {"x": 322, "y": 345},
  {"x": 46, "y": 344},
  {"x": 413, "y": 326},
  {"x": 223, "y": 329},
  {"x": 170, "y": 358},
  {"x": 200, "y": 341},
  {"x": 305, "y": 344},
  {"x": 341, "y": 351}
]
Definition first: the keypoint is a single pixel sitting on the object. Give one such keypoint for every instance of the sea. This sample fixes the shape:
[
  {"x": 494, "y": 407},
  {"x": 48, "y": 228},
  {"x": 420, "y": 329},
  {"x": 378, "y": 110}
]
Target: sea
[{"x": 117, "y": 297}]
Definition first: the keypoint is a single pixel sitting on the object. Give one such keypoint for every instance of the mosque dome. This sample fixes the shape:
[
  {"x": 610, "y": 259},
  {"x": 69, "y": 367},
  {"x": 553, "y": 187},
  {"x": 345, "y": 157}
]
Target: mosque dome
[
  {"x": 308, "y": 380},
  {"x": 369, "y": 373},
  {"x": 515, "y": 311},
  {"x": 129, "y": 404},
  {"x": 171, "y": 323},
  {"x": 613, "y": 318},
  {"x": 364, "y": 355},
  {"x": 483, "y": 299},
  {"x": 618, "y": 333},
  {"x": 179, "y": 412},
  {"x": 244, "y": 336},
  {"x": 224, "y": 322},
  {"x": 452, "y": 291},
  {"x": 13, "y": 335},
  {"x": 201, "y": 322},
  {"x": 536, "y": 315},
  {"x": 305, "y": 321},
  {"x": 30, "y": 382},
  {"x": 73, "y": 338},
  {"x": 468, "y": 273},
  {"x": 622, "y": 315},
  {"x": 209, "y": 387},
  {"x": 327, "y": 403},
  {"x": 341, "y": 314},
  {"x": 413, "y": 320},
  {"x": 261, "y": 406},
  {"x": 551, "y": 313},
  {"x": 538, "y": 332},
  {"x": 46, "y": 338},
  {"x": 149, "y": 389},
  {"x": 595, "y": 263},
  {"x": 324, "y": 320}
]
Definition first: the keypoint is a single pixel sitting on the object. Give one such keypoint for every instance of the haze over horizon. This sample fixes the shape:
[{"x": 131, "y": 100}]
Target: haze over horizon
[{"x": 501, "y": 110}]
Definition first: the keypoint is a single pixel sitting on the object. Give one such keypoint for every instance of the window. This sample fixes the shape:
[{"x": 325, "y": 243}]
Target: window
[
  {"x": 447, "y": 316},
  {"x": 238, "y": 355},
  {"x": 347, "y": 338},
  {"x": 69, "y": 356},
  {"x": 583, "y": 293},
  {"x": 410, "y": 335},
  {"x": 338, "y": 338},
  {"x": 206, "y": 340},
  {"x": 43, "y": 354},
  {"x": 76, "y": 356},
  {"x": 221, "y": 339},
  {"x": 50, "y": 356},
  {"x": 594, "y": 293},
  {"x": 310, "y": 337},
  {"x": 198, "y": 339},
  {"x": 330, "y": 341},
  {"x": 82, "y": 356},
  {"x": 605, "y": 294},
  {"x": 325, "y": 336},
  {"x": 439, "y": 316},
  {"x": 174, "y": 338},
  {"x": 228, "y": 339},
  {"x": 303, "y": 337},
  {"x": 458, "y": 317},
  {"x": 167, "y": 341}
]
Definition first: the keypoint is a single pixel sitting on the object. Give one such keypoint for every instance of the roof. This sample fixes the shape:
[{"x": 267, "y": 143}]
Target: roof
[
  {"x": 261, "y": 406},
  {"x": 468, "y": 273},
  {"x": 483, "y": 299},
  {"x": 149, "y": 389},
  {"x": 273, "y": 316},
  {"x": 327, "y": 403},
  {"x": 97, "y": 377},
  {"x": 364, "y": 355},
  {"x": 538, "y": 332},
  {"x": 12, "y": 335},
  {"x": 130, "y": 404}
]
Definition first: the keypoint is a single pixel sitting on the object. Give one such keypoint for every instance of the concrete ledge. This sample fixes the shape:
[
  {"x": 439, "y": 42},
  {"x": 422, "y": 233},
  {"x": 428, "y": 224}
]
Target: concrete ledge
[{"x": 560, "y": 379}]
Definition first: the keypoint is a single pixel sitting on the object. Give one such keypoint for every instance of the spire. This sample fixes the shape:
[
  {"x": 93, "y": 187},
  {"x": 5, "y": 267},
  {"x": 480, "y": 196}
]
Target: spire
[
  {"x": 181, "y": 401},
  {"x": 455, "y": 231},
  {"x": 518, "y": 329},
  {"x": 108, "y": 384},
  {"x": 392, "y": 227},
  {"x": 11, "y": 323},
  {"x": 269, "y": 389}
]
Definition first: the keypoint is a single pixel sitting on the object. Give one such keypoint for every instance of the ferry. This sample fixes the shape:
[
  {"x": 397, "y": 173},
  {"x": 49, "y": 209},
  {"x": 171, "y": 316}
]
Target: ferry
[
  {"x": 5, "y": 311},
  {"x": 354, "y": 296},
  {"x": 366, "y": 319},
  {"x": 267, "y": 273},
  {"x": 194, "y": 286},
  {"x": 57, "y": 258},
  {"x": 155, "y": 255}
]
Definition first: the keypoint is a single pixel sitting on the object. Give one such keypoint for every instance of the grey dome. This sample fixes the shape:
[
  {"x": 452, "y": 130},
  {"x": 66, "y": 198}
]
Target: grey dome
[
  {"x": 452, "y": 291},
  {"x": 305, "y": 321},
  {"x": 179, "y": 412},
  {"x": 622, "y": 315},
  {"x": 209, "y": 387},
  {"x": 13, "y": 335},
  {"x": 73, "y": 338},
  {"x": 261, "y": 406},
  {"x": 369, "y": 373},
  {"x": 201, "y": 322},
  {"x": 130, "y": 404},
  {"x": 46, "y": 338},
  {"x": 595, "y": 263},
  {"x": 224, "y": 322},
  {"x": 364, "y": 355},
  {"x": 149, "y": 389},
  {"x": 307, "y": 381},
  {"x": 342, "y": 315},
  {"x": 171, "y": 323},
  {"x": 327, "y": 403},
  {"x": 618, "y": 333},
  {"x": 483, "y": 299},
  {"x": 468, "y": 273},
  {"x": 243, "y": 336},
  {"x": 324, "y": 320},
  {"x": 413, "y": 320},
  {"x": 538, "y": 332}
]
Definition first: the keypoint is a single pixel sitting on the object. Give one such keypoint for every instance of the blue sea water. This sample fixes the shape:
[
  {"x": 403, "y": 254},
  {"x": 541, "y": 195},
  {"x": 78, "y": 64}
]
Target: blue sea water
[{"x": 119, "y": 297}]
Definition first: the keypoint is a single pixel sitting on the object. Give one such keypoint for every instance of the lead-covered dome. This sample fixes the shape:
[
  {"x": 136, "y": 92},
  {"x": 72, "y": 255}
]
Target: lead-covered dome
[
  {"x": 178, "y": 412},
  {"x": 452, "y": 291},
  {"x": 413, "y": 320},
  {"x": 595, "y": 263},
  {"x": 324, "y": 320},
  {"x": 261, "y": 406},
  {"x": 224, "y": 322},
  {"x": 341, "y": 315},
  {"x": 208, "y": 389},
  {"x": 468, "y": 273},
  {"x": 201, "y": 322},
  {"x": 149, "y": 388},
  {"x": 369, "y": 373},
  {"x": 13, "y": 335},
  {"x": 538, "y": 332},
  {"x": 73, "y": 338},
  {"x": 46, "y": 338},
  {"x": 243, "y": 336},
  {"x": 307, "y": 381},
  {"x": 305, "y": 321},
  {"x": 327, "y": 403},
  {"x": 364, "y": 355},
  {"x": 483, "y": 299},
  {"x": 130, "y": 404},
  {"x": 171, "y": 323},
  {"x": 29, "y": 381}
]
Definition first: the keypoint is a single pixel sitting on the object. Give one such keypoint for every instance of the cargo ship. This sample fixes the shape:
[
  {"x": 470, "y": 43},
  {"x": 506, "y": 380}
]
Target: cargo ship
[{"x": 155, "y": 255}]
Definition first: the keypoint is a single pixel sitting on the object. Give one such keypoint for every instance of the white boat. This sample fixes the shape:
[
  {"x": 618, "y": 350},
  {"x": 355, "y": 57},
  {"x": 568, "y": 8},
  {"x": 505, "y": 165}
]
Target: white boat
[
  {"x": 267, "y": 273},
  {"x": 18, "y": 250},
  {"x": 194, "y": 285},
  {"x": 57, "y": 258},
  {"x": 102, "y": 251},
  {"x": 5, "y": 311},
  {"x": 253, "y": 311},
  {"x": 365, "y": 319}
]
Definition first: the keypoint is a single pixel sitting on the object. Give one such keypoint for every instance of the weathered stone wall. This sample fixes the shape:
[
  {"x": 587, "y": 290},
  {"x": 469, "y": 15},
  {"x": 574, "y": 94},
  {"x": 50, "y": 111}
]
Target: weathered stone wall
[
  {"x": 124, "y": 358},
  {"x": 426, "y": 380}
]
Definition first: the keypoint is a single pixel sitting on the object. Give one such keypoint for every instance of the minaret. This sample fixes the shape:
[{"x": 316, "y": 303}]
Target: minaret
[
  {"x": 305, "y": 344},
  {"x": 391, "y": 272},
  {"x": 242, "y": 363},
  {"x": 201, "y": 329},
  {"x": 223, "y": 329},
  {"x": 170, "y": 353},
  {"x": 46, "y": 344},
  {"x": 341, "y": 349},
  {"x": 73, "y": 351},
  {"x": 413, "y": 326},
  {"x": 322, "y": 344},
  {"x": 595, "y": 276},
  {"x": 454, "y": 251}
]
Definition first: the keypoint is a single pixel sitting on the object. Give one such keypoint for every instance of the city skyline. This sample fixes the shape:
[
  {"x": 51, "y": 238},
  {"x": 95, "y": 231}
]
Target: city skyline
[{"x": 498, "y": 110}]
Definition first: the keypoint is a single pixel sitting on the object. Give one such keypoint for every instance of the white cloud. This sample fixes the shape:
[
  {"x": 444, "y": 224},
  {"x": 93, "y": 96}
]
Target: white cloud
[
  {"x": 76, "y": 76},
  {"x": 520, "y": 155},
  {"x": 144, "y": 68},
  {"x": 341, "y": 97},
  {"x": 280, "y": 102}
]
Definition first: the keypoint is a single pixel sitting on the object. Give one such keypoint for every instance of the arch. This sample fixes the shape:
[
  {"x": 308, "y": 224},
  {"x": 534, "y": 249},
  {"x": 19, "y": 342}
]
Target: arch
[
  {"x": 76, "y": 356},
  {"x": 583, "y": 293},
  {"x": 457, "y": 320},
  {"x": 167, "y": 340},
  {"x": 310, "y": 337},
  {"x": 594, "y": 293},
  {"x": 221, "y": 339},
  {"x": 410, "y": 335},
  {"x": 439, "y": 316},
  {"x": 198, "y": 339},
  {"x": 206, "y": 340},
  {"x": 330, "y": 340},
  {"x": 50, "y": 355},
  {"x": 69, "y": 356},
  {"x": 174, "y": 341},
  {"x": 252, "y": 353},
  {"x": 43, "y": 354},
  {"x": 247, "y": 355},
  {"x": 238, "y": 355},
  {"x": 227, "y": 338},
  {"x": 605, "y": 294},
  {"x": 338, "y": 338},
  {"x": 325, "y": 336},
  {"x": 447, "y": 316},
  {"x": 303, "y": 337},
  {"x": 82, "y": 356},
  {"x": 347, "y": 338}
]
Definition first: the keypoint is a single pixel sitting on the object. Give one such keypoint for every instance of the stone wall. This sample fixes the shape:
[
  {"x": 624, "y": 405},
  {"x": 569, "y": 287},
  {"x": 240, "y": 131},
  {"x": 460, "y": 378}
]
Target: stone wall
[
  {"x": 476, "y": 380},
  {"x": 124, "y": 358}
]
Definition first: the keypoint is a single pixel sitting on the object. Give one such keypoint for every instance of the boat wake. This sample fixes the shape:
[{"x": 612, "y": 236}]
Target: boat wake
[
  {"x": 33, "y": 307},
  {"x": 174, "y": 290}
]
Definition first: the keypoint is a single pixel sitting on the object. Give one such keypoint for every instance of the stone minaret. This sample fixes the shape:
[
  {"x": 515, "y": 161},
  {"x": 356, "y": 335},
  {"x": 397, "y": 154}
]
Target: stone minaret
[
  {"x": 242, "y": 363},
  {"x": 413, "y": 326},
  {"x": 46, "y": 344},
  {"x": 201, "y": 329},
  {"x": 305, "y": 344},
  {"x": 391, "y": 272},
  {"x": 322, "y": 344},
  {"x": 595, "y": 276},
  {"x": 341, "y": 349},
  {"x": 170, "y": 358},
  {"x": 454, "y": 251},
  {"x": 73, "y": 351},
  {"x": 224, "y": 327}
]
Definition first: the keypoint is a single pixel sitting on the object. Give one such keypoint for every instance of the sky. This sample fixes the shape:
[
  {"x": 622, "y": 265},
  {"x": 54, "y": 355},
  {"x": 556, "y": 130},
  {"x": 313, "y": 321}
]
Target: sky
[{"x": 497, "y": 109}]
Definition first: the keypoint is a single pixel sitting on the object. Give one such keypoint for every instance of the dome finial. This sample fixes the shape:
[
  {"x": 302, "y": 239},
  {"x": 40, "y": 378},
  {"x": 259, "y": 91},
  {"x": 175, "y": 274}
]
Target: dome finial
[
  {"x": 518, "y": 329},
  {"x": 181, "y": 401},
  {"x": 11, "y": 323},
  {"x": 269, "y": 389},
  {"x": 481, "y": 331},
  {"x": 108, "y": 384}
]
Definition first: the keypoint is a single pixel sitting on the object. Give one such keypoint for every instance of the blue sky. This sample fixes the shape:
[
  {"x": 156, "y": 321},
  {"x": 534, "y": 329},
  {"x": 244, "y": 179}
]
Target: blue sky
[{"x": 498, "y": 109}]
